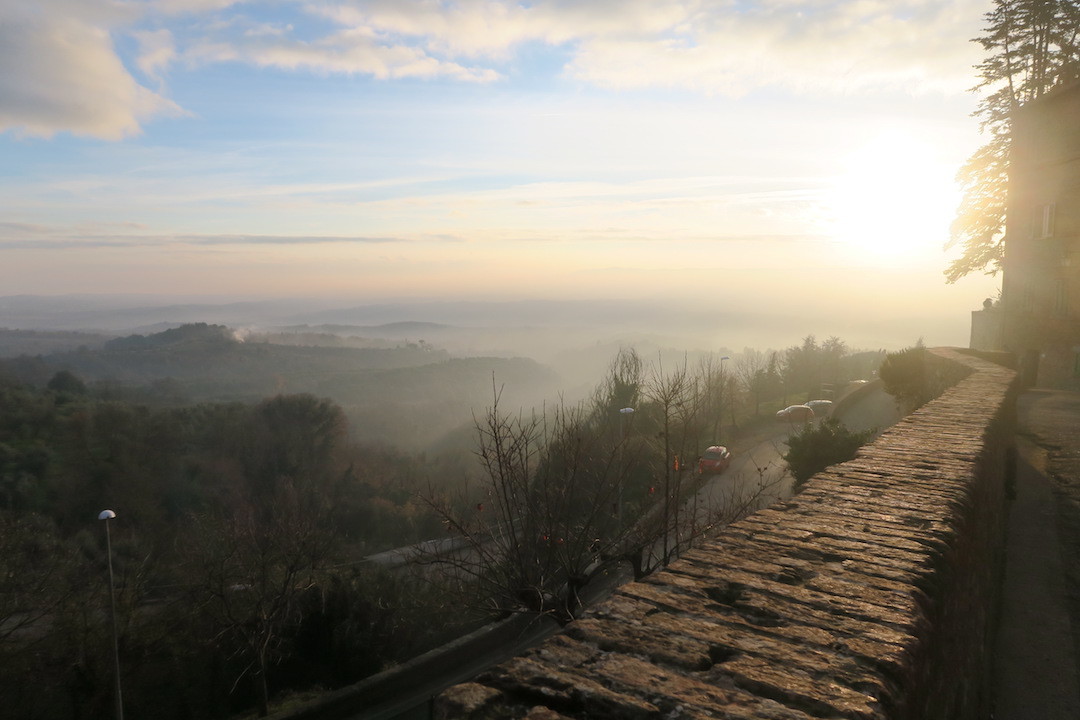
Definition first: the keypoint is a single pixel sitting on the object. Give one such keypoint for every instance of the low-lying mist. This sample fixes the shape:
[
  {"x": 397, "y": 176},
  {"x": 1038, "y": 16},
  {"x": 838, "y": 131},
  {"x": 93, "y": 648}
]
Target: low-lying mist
[{"x": 417, "y": 372}]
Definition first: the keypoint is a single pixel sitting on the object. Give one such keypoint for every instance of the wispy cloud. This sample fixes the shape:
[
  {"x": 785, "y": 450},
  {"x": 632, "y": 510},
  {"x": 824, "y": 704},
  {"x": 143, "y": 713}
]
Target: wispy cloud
[
  {"x": 72, "y": 78},
  {"x": 28, "y": 236},
  {"x": 347, "y": 52},
  {"x": 714, "y": 47},
  {"x": 192, "y": 7},
  {"x": 275, "y": 239},
  {"x": 156, "y": 52}
]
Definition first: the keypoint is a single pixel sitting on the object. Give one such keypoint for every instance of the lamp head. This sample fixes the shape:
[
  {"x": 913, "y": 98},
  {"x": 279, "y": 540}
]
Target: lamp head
[{"x": 106, "y": 515}]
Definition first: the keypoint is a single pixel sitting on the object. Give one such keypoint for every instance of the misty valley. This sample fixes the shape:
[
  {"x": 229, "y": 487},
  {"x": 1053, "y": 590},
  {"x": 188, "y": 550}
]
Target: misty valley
[{"x": 254, "y": 476}]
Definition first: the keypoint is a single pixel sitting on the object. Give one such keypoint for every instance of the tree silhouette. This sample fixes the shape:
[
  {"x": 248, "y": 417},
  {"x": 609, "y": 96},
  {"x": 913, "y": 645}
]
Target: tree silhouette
[
  {"x": 251, "y": 572},
  {"x": 1030, "y": 46},
  {"x": 572, "y": 492}
]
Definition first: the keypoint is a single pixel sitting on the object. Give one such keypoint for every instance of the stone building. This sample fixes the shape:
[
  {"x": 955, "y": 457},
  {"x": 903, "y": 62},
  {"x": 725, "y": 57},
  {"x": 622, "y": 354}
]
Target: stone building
[
  {"x": 1041, "y": 279},
  {"x": 986, "y": 327}
]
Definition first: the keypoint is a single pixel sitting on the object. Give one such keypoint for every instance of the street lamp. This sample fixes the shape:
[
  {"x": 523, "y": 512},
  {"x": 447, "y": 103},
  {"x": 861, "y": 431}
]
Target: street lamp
[
  {"x": 626, "y": 412},
  {"x": 108, "y": 515},
  {"x": 720, "y": 425}
]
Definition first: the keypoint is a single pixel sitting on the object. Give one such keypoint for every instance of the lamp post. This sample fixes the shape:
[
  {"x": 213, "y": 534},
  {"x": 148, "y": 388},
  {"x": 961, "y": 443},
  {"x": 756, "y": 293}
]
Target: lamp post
[
  {"x": 720, "y": 425},
  {"x": 625, "y": 412},
  {"x": 108, "y": 515}
]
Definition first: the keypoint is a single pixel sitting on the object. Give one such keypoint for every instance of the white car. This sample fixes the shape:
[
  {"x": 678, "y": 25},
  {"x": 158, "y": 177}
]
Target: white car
[
  {"x": 796, "y": 413},
  {"x": 821, "y": 408}
]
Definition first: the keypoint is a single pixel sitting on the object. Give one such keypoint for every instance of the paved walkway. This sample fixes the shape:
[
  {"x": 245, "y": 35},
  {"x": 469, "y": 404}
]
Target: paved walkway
[{"x": 1036, "y": 654}]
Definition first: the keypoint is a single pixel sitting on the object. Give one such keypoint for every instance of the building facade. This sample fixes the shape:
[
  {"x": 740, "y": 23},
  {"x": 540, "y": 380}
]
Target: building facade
[
  {"x": 1041, "y": 279},
  {"x": 986, "y": 327}
]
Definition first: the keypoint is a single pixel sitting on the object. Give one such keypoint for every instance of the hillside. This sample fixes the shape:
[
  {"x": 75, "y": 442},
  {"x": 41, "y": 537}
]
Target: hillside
[{"x": 408, "y": 394}]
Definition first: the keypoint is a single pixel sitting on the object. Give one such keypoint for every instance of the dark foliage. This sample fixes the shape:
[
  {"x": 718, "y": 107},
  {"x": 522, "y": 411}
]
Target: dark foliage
[
  {"x": 409, "y": 395},
  {"x": 907, "y": 377},
  {"x": 169, "y": 473},
  {"x": 66, "y": 382},
  {"x": 815, "y": 447}
]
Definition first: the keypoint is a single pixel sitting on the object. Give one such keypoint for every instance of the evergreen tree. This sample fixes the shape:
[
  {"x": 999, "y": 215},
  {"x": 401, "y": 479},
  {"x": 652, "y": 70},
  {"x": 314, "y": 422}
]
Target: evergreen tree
[
  {"x": 816, "y": 447},
  {"x": 1030, "y": 46}
]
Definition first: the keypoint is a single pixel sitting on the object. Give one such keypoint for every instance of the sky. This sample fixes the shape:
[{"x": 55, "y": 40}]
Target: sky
[{"x": 788, "y": 154}]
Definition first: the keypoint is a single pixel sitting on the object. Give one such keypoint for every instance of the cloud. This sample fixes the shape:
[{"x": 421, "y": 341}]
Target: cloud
[
  {"x": 22, "y": 230},
  {"x": 156, "y": 52},
  {"x": 717, "y": 47},
  {"x": 486, "y": 28},
  {"x": 68, "y": 75},
  {"x": 354, "y": 52},
  {"x": 350, "y": 50},
  {"x": 276, "y": 239},
  {"x": 62, "y": 73},
  {"x": 30, "y": 236},
  {"x": 179, "y": 7}
]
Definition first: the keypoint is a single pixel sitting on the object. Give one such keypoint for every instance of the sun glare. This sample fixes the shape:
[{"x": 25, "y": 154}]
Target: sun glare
[{"x": 893, "y": 201}]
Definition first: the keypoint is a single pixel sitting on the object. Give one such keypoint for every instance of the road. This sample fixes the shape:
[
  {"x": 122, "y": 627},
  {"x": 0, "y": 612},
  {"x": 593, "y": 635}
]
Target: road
[
  {"x": 758, "y": 475},
  {"x": 874, "y": 410},
  {"x": 756, "y": 478}
]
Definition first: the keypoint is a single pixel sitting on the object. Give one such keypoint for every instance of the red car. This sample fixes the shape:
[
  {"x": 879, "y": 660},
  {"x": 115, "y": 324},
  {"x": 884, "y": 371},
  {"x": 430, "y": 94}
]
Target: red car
[{"x": 715, "y": 460}]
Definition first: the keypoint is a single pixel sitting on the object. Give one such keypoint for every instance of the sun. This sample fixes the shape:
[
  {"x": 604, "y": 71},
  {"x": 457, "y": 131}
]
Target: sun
[{"x": 893, "y": 200}]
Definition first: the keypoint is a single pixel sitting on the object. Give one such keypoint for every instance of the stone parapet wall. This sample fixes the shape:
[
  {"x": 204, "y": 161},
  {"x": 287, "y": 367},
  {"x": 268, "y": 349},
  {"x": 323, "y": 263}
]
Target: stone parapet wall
[{"x": 871, "y": 594}]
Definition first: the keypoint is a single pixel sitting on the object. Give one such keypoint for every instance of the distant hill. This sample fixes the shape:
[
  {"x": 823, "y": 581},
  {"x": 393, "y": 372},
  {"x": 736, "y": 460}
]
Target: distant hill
[
  {"x": 405, "y": 329},
  {"x": 211, "y": 362},
  {"x": 42, "y": 342},
  {"x": 402, "y": 395},
  {"x": 737, "y": 314},
  {"x": 388, "y": 335}
]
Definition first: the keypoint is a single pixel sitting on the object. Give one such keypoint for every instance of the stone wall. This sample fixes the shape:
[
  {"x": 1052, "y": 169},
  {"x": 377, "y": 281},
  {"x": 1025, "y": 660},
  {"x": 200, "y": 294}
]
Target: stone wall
[{"x": 871, "y": 594}]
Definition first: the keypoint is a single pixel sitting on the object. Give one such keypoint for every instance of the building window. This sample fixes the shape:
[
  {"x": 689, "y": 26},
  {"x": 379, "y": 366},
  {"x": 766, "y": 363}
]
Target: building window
[
  {"x": 1027, "y": 300},
  {"x": 1061, "y": 298},
  {"x": 1045, "y": 221},
  {"x": 1040, "y": 222},
  {"x": 1048, "y": 220}
]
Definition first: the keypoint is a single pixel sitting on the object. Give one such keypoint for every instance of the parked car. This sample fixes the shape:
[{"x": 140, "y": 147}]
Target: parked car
[
  {"x": 714, "y": 461},
  {"x": 796, "y": 413},
  {"x": 821, "y": 408}
]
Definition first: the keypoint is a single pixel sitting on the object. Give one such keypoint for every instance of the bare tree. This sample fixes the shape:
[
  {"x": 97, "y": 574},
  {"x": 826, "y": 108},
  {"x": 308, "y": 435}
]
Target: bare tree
[
  {"x": 546, "y": 517},
  {"x": 251, "y": 569},
  {"x": 751, "y": 369},
  {"x": 32, "y": 564},
  {"x": 621, "y": 387},
  {"x": 712, "y": 394},
  {"x": 674, "y": 404},
  {"x": 573, "y": 491}
]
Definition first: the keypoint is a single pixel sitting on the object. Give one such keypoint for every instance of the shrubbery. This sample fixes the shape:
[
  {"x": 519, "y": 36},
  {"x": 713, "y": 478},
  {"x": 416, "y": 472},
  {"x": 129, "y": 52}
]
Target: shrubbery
[
  {"x": 816, "y": 447},
  {"x": 905, "y": 376}
]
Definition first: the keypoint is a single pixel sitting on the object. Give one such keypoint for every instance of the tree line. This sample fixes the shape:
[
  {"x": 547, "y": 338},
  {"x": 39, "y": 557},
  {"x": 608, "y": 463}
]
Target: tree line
[{"x": 235, "y": 524}]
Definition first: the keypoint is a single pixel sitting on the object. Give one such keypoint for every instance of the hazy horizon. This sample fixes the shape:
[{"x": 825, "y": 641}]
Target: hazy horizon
[
  {"x": 539, "y": 328},
  {"x": 775, "y": 164}
]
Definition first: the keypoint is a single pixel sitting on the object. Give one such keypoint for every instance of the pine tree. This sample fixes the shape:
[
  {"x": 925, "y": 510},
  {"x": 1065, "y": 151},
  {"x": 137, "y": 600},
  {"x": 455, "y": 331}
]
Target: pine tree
[{"x": 1031, "y": 45}]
